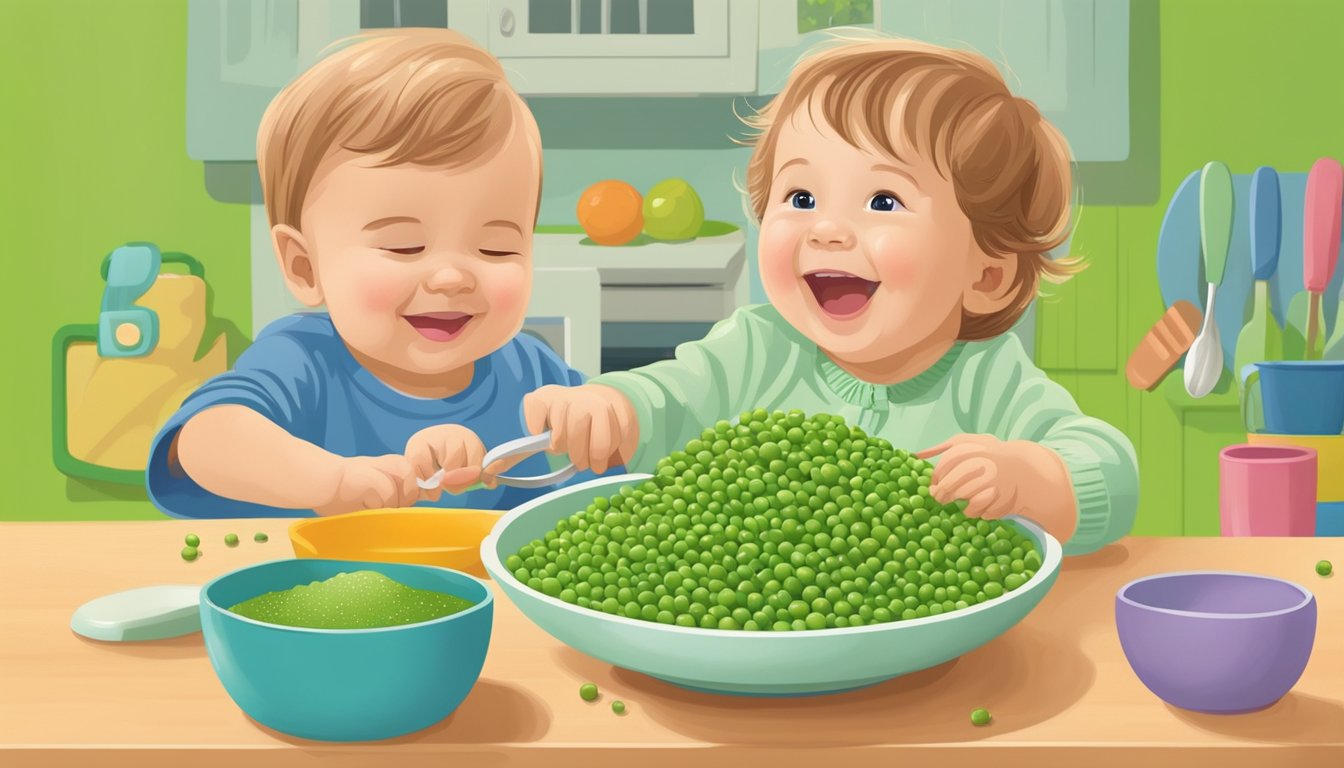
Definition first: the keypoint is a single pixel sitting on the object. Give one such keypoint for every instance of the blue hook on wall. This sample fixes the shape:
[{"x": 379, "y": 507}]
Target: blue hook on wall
[{"x": 125, "y": 330}]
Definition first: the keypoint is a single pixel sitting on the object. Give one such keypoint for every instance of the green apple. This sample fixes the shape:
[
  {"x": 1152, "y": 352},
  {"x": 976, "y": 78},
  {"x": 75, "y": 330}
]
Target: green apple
[{"x": 673, "y": 211}]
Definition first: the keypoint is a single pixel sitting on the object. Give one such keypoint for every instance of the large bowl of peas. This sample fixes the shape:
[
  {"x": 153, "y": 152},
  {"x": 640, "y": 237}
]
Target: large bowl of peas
[{"x": 781, "y": 554}]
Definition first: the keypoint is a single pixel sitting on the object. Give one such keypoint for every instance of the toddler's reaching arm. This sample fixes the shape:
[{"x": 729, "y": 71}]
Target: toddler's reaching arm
[
  {"x": 1011, "y": 399},
  {"x": 645, "y": 414},
  {"x": 235, "y": 452}
]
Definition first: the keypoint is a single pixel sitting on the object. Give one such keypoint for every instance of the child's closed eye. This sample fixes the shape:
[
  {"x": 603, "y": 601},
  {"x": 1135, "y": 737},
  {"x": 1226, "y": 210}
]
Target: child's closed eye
[
  {"x": 498, "y": 254},
  {"x": 406, "y": 250}
]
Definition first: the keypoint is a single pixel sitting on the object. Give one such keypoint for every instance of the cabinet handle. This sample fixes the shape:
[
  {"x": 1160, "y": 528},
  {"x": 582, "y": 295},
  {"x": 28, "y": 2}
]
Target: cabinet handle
[{"x": 507, "y": 23}]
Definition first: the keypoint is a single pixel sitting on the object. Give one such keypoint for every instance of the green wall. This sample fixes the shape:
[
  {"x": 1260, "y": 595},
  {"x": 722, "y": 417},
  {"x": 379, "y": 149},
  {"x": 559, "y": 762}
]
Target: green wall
[
  {"x": 95, "y": 156},
  {"x": 94, "y": 133},
  {"x": 1247, "y": 83}
]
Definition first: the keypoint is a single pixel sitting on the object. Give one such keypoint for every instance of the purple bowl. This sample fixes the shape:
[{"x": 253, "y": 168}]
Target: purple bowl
[{"x": 1216, "y": 642}]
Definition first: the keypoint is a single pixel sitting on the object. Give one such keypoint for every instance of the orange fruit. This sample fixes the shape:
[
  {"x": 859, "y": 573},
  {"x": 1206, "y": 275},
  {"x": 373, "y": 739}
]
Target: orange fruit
[{"x": 611, "y": 212}]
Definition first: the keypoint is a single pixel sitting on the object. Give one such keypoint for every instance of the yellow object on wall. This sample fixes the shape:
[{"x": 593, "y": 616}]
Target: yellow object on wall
[
  {"x": 116, "y": 382},
  {"x": 115, "y": 406},
  {"x": 1329, "y": 459}
]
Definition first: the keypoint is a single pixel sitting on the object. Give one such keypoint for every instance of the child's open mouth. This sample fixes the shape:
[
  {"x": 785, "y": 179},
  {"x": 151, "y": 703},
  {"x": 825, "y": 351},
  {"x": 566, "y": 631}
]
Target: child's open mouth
[
  {"x": 840, "y": 294},
  {"x": 439, "y": 326}
]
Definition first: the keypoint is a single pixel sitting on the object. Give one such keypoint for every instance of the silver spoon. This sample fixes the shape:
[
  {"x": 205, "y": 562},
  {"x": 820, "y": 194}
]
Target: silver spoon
[{"x": 523, "y": 446}]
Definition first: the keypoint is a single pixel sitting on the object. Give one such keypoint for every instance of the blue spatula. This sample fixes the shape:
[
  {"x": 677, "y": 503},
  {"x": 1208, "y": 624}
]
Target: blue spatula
[{"x": 1261, "y": 338}]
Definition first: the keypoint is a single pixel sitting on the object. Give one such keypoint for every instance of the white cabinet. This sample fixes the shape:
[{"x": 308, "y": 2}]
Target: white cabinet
[
  {"x": 617, "y": 47},
  {"x": 240, "y": 53},
  {"x": 1071, "y": 57}
]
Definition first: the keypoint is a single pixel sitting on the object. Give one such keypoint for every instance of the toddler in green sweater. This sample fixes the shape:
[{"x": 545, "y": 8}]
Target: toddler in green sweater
[{"x": 907, "y": 202}]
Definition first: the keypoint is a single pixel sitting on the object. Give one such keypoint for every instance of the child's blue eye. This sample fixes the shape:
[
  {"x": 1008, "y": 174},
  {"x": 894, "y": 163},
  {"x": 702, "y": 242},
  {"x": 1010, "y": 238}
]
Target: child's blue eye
[
  {"x": 803, "y": 199},
  {"x": 885, "y": 202}
]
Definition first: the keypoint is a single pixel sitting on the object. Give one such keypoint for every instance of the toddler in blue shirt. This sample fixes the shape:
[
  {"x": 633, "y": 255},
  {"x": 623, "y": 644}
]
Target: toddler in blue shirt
[{"x": 402, "y": 178}]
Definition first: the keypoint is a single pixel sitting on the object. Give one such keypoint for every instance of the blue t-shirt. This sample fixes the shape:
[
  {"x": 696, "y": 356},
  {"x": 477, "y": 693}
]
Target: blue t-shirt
[{"x": 300, "y": 375}]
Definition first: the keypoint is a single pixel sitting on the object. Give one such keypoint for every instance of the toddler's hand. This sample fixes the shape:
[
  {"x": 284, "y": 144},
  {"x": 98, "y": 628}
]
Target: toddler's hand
[
  {"x": 450, "y": 447},
  {"x": 595, "y": 425},
  {"x": 371, "y": 482},
  {"x": 999, "y": 478}
]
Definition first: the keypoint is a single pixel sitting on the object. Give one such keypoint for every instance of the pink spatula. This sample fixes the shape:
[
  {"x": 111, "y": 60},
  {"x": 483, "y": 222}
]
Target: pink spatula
[{"x": 1322, "y": 211}]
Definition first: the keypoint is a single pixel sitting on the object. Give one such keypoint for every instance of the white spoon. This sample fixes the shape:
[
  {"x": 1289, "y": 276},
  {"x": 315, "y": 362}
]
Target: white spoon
[
  {"x": 1204, "y": 361},
  {"x": 523, "y": 446}
]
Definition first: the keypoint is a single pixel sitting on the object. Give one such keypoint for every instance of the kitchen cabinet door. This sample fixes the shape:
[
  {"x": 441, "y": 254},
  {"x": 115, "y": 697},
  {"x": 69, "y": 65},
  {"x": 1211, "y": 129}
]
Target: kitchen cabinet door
[
  {"x": 608, "y": 28},
  {"x": 1071, "y": 57},
  {"x": 617, "y": 47}
]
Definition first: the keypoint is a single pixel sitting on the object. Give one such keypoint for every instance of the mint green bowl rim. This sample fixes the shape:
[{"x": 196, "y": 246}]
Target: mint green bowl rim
[
  {"x": 1050, "y": 562},
  {"x": 210, "y": 604}
]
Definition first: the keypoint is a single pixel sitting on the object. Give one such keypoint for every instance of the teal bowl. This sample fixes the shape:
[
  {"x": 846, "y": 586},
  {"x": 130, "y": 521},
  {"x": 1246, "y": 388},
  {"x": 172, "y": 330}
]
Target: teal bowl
[
  {"x": 345, "y": 684},
  {"x": 751, "y": 663}
]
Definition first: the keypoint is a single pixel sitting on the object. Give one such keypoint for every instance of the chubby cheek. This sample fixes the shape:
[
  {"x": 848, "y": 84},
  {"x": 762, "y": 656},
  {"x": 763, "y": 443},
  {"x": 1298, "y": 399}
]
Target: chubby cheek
[
  {"x": 508, "y": 288},
  {"x": 900, "y": 264},
  {"x": 381, "y": 296},
  {"x": 777, "y": 251},
  {"x": 361, "y": 285}
]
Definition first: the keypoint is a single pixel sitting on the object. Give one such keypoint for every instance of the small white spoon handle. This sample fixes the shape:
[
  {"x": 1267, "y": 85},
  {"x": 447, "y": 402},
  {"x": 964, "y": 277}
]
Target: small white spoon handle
[{"x": 523, "y": 446}]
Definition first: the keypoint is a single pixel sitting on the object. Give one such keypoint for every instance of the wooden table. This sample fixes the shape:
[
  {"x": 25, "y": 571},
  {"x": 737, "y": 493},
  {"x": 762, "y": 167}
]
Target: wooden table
[{"x": 1057, "y": 684}]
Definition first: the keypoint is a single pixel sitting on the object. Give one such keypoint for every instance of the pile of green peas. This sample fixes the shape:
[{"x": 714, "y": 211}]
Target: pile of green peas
[{"x": 780, "y": 522}]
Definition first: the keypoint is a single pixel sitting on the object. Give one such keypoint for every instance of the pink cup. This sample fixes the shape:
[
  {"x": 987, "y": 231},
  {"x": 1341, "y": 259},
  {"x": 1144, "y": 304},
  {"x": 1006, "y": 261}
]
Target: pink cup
[{"x": 1267, "y": 490}]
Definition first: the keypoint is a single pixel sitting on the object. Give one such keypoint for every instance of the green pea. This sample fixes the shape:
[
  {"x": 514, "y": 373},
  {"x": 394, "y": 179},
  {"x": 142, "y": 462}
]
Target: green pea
[
  {"x": 190, "y": 553},
  {"x": 588, "y": 692},
  {"x": 261, "y": 538},
  {"x": 783, "y": 522},
  {"x": 193, "y": 540},
  {"x": 980, "y": 717},
  {"x": 1325, "y": 568},
  {"x": 231, "y": 539},
  {"x": 618, "y": 707}
]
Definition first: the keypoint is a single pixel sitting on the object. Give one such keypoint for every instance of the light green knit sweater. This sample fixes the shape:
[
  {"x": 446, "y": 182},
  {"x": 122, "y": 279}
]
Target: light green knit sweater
[{"x": 755, "y": 359}]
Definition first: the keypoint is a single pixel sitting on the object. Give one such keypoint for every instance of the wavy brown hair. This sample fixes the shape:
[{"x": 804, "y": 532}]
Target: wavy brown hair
[
  {"x": 1010, "y": 167},
  {"x": 421, "y": 96}
]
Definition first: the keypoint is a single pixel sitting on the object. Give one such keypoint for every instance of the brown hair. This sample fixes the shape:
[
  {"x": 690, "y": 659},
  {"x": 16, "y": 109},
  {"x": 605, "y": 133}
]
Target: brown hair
[
  {"x": 1009, "y": 166},
  {"x": 422, "y": 96}
]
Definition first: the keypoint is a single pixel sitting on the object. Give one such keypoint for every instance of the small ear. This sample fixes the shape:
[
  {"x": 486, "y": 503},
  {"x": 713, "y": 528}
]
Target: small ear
[
  {"x": 296, "y": 264},
  {"x": 993, "y": 283}
]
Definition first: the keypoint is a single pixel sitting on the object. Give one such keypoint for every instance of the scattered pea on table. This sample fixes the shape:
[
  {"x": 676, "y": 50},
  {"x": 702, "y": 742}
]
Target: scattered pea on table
[
  {"x": 231, "y": 539},
  {"x": 618, "y": 707},
  {"x": 1325, "y": 568},
  {"x": 588, "y": 692},
  {"x": 193, "y": 540},
  {"x": 261, "y": 538},
  {"x": 189, "y": 553},
  {"x": 980, "y": 717}
]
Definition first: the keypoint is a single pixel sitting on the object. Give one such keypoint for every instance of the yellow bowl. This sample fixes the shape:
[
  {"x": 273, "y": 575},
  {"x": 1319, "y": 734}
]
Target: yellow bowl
[
  {"x": 449, "y": 538},
  {"x": 1329, "y": 459}
]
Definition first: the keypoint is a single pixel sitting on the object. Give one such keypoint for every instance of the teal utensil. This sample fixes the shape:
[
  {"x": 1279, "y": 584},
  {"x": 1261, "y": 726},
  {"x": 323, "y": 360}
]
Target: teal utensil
[
  {"x": 1261, "y": 339},
  {"x": 751, "y": 663},
  {"x": 148, "y": 613},
  {"x": 125, "y": 330},
  {"x": 1204, "y": 361}
]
